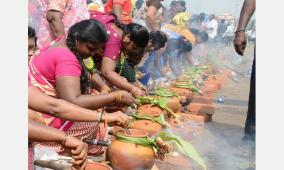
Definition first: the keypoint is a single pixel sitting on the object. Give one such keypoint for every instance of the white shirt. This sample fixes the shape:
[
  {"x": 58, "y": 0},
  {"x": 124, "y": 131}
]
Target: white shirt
[{"x": 212, "y": 27}]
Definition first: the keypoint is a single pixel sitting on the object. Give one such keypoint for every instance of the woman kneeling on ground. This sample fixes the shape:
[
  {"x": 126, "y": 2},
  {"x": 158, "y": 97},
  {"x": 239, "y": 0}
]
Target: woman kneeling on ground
[{"x": 58, "y": 71}]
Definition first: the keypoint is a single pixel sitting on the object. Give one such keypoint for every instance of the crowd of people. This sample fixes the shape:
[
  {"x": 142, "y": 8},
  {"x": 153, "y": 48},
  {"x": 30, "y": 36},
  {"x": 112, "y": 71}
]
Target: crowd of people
[{"x": 90, "y": 59}]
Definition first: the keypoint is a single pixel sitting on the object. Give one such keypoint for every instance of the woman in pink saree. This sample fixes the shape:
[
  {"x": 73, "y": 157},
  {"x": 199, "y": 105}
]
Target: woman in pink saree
[{"x": 58, "y": 71}]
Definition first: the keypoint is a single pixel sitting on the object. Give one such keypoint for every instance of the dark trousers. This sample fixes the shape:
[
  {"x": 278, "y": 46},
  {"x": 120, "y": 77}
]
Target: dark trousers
[{"x": 250, "y": 120}]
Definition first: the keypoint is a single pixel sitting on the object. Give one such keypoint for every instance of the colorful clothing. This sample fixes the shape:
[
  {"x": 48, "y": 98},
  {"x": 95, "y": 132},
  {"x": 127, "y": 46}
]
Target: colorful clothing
[
  {"x": 182, "y": 19},
  {"x": 126, "y": 70},
  {"x": 96, "y": 5},
  {"x": 183, "y": 31},
  {"x": 140, "y": 15},
  {"x": 126, "y": 9},
  {"x": 73, "y": 11},
  {"x": 112, "y": 48},
  {"x": 43, "y": 70},
  {"x": 56, "y": 62}
]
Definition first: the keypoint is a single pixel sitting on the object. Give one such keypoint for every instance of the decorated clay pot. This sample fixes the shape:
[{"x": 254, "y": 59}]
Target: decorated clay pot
[
  {"x": 129, "y": 156},
  {"x": 97, "y": 166},
  {"x": 147, "y": 109},
  {"x": 174, "y": 104},
  {"x": 182, "y": 92},
  {"x": 149, "y": 126}
]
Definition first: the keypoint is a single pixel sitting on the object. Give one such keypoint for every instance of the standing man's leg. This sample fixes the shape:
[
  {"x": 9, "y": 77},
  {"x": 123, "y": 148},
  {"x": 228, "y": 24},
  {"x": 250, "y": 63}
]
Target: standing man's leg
[{"x": 250, "y": 120}]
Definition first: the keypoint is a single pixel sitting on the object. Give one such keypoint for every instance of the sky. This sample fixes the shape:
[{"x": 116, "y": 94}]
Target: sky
[{"x": 218, "y": 7}]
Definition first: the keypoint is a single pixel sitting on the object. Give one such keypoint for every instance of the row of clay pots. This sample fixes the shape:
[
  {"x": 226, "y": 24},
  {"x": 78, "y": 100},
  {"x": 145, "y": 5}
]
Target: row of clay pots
[{"x": 130, "y": 156}]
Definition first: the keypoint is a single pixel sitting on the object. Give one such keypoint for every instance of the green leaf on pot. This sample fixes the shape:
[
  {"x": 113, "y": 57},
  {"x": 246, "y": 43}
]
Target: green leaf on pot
[
  {"x": 185, "y": 147},
  {"x": 159, "y": 119}
]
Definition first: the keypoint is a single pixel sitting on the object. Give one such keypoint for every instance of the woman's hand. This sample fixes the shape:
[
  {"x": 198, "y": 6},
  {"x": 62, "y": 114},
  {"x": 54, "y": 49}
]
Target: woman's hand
[
  {"x": 126, "y": 98},
  {"x": 117, "y": 119},
  {"x": 138, "y": 92},
  {"x": 78, "y": 151}
]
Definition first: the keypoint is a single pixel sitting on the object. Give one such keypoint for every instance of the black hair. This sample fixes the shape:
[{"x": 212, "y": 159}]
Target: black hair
[
  {"x": 138, "y": 33},
  {"x": 182, "y": 3},
  {"x": 135, "y": 57},
  {"x": 173, "y": 3},
  {"x": 31, "y": 33},
  {"x": 89, "y": 30},
  {"x": 158, "y": 39},
  {"x": 222, "y": 20},
  {"x": 139, "y": 4},
  {"x": 202, "y": 16}
]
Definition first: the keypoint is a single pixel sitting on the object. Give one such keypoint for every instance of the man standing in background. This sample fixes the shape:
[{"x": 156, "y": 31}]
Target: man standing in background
[
  {"x": 212, "y": 27},
  {"x": 240, "y": 42}
]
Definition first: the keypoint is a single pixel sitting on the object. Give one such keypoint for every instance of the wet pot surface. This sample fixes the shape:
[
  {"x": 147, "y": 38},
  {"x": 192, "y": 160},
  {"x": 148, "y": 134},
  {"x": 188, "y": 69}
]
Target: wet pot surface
[
  {"x": 147, "y": 125},
  {"x": 130, "y": 156}
]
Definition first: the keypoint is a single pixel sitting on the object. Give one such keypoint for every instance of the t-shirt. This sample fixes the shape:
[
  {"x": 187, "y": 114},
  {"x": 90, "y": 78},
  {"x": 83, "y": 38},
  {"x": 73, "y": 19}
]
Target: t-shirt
[
  {"x": 126, "y": 9},
  {"x": 56, "y": 62},
  {"x": 113, "y": 45},
  {"x": 212, "y": 27}
]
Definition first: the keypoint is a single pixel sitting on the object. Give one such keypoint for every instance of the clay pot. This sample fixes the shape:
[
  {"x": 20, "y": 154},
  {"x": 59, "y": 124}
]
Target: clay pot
[
  {"x": 147, "y": 109},
  {"x": 182, "y": 92},
  {"x": 129, "y": 156},
  {"x": 152, "y": 128},
  {"x": 97, "y": 166},
  {"x": 174, "y": 104}
]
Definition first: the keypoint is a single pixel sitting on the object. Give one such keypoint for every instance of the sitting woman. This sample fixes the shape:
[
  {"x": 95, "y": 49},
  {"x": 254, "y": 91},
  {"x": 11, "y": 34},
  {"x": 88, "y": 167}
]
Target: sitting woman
[
  {"x": 125, "y": 40},
  {"x": 40, "y": 102},
  {"x": 58, "y": 71}
]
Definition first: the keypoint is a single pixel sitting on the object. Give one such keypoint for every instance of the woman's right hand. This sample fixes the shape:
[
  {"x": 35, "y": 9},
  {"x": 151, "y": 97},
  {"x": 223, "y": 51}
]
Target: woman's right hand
[
  {"x": 78, "y": 151},
  {"x": 138, "y": 92},
  {"x": 126, "y": 98},
  {"x": 117, "y": 119}
]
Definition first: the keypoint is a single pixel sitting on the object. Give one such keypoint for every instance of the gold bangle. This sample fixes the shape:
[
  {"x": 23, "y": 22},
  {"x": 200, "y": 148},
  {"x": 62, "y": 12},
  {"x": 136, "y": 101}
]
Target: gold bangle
[
  {"x": 106, "y": 89},
  {"x": 133, "y": 90},
  {"x": 117, "y": 96}
]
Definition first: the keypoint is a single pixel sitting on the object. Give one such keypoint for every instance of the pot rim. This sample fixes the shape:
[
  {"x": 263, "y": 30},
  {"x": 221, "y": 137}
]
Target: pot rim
[{"x": 141, "y": 135}]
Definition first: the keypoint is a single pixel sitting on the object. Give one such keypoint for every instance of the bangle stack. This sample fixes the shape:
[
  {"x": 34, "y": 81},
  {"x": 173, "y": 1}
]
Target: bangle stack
[
  {"x": 117, "y": 97},
  {"x": 133, "y": 90},
  {"x": 105, "y": 89}
]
